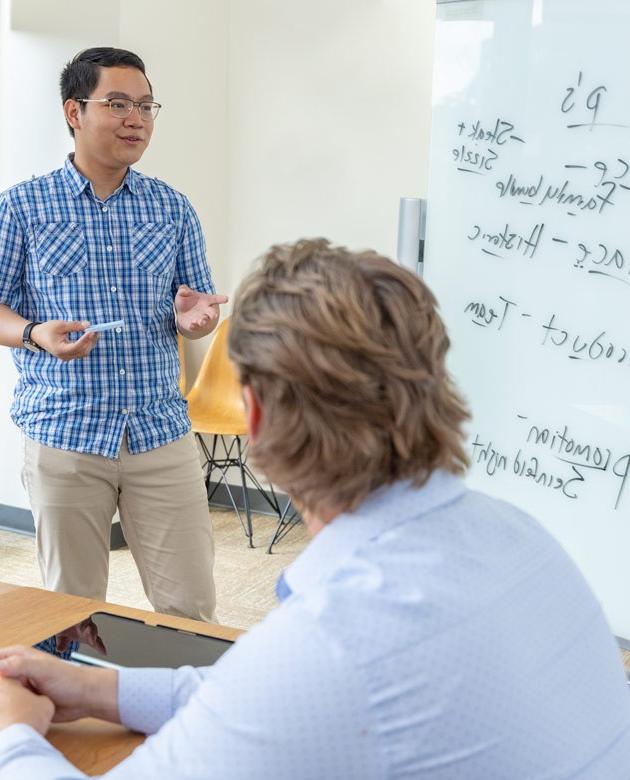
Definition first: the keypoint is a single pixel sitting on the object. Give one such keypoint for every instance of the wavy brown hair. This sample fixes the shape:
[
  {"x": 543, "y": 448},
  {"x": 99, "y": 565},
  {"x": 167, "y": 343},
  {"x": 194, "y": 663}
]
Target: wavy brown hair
[{"x": 345, "y": 352}]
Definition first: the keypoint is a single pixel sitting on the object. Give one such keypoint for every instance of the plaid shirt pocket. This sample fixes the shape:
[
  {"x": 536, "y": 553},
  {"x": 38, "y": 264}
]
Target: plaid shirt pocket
[
  {"x": 154, "y": 247},
  {"x": 61, "y": 248}
]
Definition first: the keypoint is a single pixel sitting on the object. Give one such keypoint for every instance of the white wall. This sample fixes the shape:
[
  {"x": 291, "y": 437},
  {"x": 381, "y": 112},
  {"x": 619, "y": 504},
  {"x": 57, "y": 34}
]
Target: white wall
[
  {"x": 281, "y": 119},
  {"x": 186, "y": 59},
  {"x": 328, "y": 120},
  {"x": 82, "y": 19},
  {"x": 33, "y": 141},
  {"x": 184, "y": 47}
]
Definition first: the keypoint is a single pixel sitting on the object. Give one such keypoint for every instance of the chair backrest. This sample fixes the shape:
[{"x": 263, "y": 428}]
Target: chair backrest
[{"x": 215, "y": 403}]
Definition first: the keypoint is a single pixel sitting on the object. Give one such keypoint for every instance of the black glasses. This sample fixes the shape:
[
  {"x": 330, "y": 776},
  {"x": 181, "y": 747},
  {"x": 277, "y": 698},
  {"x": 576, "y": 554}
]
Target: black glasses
[{"x": 121, "y": 108}]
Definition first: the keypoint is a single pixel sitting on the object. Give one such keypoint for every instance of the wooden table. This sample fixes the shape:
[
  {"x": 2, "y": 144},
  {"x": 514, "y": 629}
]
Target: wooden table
[{"x": 29, "y": 615}]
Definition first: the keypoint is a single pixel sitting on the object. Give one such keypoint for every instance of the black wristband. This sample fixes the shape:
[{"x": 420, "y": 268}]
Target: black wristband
[{"x": 27, "y": 341}]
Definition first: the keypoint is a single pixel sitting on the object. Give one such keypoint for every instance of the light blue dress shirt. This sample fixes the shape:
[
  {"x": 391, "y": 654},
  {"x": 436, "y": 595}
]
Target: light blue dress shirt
[{"x": 434, "y": 633}]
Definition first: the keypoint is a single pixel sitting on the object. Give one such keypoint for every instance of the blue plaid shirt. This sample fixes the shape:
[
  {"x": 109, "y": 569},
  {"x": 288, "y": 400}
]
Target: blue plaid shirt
[{"x": 65, "y": 254}]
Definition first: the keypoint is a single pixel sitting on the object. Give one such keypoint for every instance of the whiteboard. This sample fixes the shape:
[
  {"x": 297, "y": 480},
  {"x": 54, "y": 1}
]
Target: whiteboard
[{"x": 528, "y": 252}]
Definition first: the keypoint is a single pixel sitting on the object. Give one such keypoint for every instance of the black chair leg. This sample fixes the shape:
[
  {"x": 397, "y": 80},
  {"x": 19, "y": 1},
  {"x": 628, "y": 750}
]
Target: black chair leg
[
  {"x": 285, "y": 524},
  {"x": 248, "y": 513},
  {"x": 213, "y": 462}
]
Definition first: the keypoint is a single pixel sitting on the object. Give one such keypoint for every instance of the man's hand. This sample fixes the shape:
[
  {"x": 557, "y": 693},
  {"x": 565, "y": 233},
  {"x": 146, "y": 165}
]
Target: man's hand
[
  {"x": 53, "y": 337},
  {"x": 76, "y": 692},
  {"x": 19, "y": 705},
  {"x": 197, "y": 313}
]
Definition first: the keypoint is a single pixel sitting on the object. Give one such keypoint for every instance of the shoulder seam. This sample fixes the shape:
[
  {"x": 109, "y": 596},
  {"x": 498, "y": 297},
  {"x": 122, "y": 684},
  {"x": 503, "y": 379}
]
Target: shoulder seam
[{"x": 12, "y": 211}]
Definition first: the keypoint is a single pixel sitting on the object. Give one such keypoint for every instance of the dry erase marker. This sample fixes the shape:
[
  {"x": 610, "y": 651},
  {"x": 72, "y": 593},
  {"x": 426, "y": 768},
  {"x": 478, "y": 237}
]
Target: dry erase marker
[{"x": 105, "y": 326}]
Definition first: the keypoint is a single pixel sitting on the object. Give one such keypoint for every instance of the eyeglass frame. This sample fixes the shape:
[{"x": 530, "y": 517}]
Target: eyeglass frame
[{"x": 135, "y": 104}]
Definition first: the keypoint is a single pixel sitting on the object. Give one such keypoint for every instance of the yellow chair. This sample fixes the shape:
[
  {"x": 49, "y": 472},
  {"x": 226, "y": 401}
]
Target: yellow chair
[
  {"x": 216, "y": 409},
  {"x": 183, "y": 381}
]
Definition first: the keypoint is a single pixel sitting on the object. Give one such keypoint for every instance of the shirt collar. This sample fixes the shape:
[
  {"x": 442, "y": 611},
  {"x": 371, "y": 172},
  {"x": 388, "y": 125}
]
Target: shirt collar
[
  {"x": 383, "y": 509},
  {"x": 78, "y": 182}
]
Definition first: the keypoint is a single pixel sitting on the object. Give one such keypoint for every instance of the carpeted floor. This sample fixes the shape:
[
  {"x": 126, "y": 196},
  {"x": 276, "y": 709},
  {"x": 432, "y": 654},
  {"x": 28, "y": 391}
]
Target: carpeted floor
[{"x": 245, "y": 578}]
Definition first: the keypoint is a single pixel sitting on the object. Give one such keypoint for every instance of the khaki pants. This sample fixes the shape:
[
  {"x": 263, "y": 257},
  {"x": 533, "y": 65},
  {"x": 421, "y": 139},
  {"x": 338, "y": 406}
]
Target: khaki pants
[{"x": 163, "y": 510}]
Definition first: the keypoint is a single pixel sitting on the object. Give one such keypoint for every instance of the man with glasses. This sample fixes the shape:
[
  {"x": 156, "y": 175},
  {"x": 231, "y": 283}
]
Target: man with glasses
[{"x": 105, "y": 426}]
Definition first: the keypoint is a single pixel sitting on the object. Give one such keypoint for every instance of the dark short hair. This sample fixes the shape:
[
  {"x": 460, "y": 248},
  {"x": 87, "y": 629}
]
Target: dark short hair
[{"x": 80, "y": 76}]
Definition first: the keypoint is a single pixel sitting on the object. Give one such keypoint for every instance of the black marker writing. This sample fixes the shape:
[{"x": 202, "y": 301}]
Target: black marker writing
[
  {"x": 484, "y": 315},
  {"x": 508, "y": 240}
]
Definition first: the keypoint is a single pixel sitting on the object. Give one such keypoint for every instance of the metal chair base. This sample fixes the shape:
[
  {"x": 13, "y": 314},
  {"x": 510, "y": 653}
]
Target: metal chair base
[
  {"x": 234, "y": 459},
  {"x": 288, "y": 520}
]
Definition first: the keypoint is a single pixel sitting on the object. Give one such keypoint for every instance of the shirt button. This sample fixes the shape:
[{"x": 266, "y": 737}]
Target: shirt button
[
  {"x": 110, "y": 248},
  {"x": 118, "y": 330},
  {"x": 124, "y": 411},
  {"x": 122, "y": 372},
  {"x": 113, "y": 288},
  {"x": 105, "y": 208}
]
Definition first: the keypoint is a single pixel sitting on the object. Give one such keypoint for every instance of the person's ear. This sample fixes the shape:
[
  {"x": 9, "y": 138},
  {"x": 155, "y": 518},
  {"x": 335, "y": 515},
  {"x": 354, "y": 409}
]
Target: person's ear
[
  {"x": 72, "y": 112},
  {"x": 253, "y": 412}
]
